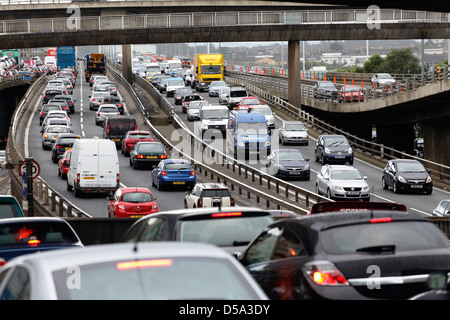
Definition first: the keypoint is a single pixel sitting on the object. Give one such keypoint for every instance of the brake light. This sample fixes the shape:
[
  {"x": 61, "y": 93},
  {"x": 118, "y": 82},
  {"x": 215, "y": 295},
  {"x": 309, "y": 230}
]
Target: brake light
[
  {"x": 78, "y": 178},
  {"x": 117, "y": 178},
  {"x": 192, "y": 172},
  {"x": 164, "y": 156},
  {"x": 226, "y": 214},
  {"x": 164, "y": 173},
  {"x": 107, "y": 129},
  {"x": 2, "y": 262},
  {"x": 325, "y": 273},
  {"x": 33, "y": 242},
  {"x": 42, "y": 113},
  {"x": 380, "y": 220},
  {"x": 140, "y": 156},
  {"x": 45, "y": 135},
  {"x": 58, "y": 146},
  {"x": 199, "y": 203},
  {"x": 98, "y": 114},
  {"x": 232, "y": 202},
  {"x": 135, "y": 127},
  {"x": 144, "y": 264}
]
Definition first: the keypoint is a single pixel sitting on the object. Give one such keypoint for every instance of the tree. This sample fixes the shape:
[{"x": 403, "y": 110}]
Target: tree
[
  {"x": 401, "y": 61},
  {"x": 374, "y": 64},
  {"x": 336, "y": 47}
]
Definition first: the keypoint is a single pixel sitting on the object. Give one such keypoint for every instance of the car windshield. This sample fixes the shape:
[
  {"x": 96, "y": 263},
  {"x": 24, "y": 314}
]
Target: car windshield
[
  {"x": 345, "y": 175},
  {"x": 384, "y": 76},
  {"x": 248, "y": 102},
  {"x": 223, "y": 232},
  {"x": 150, "y": 147},
  {"x": 136, "y": 197},
  {"x": 250, "y": 128},
  {"x": 265, "y": 111},
  {"x": 140, "y": 136},
  {"x": 175, "y": 83},
  {"x": 405, "y": 236},
  {"x": 38, "y": 232},
  {"x": 351, "y": 89},
  {"x": 238, "y": 93},
  {"x": 178, "y": 166},
  {"x": 214, "y": 114},
  {"x": 218, "y": 84},
  {"x": 295, "y": 127},
  {"x": 211, "y": 69},
  {"x": 336, "y": 142},
  {"x": 410, "y": 167},
  {"x": 186, "y": 278},
  {"x": 290, "y": 156}
]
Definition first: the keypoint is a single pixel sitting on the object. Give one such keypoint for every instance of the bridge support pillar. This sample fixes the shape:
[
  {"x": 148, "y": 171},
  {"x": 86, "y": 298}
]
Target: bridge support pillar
[
  {"x": 127, "y": 63},
  {"x": 436, "y": 137},
  {"x": 294, "y": 90}
]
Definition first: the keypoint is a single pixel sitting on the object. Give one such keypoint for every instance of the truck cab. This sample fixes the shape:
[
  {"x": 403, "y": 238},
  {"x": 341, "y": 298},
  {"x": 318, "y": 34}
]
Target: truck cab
[
  {"x": 207, "y": 68},
  {"x": 248, "y": 134}
]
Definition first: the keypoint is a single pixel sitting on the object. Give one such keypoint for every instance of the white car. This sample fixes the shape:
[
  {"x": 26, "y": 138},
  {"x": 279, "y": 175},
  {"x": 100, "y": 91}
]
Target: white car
[
  {"x": 224, "y": 94},
  {"x": 383, "y": 79},
  {"x": 293, "y": 132},
  {"x": 442, "y": 209},
  {"x": 207, "y": 195},
  {"x": 103, "y": 111},
  {"x": 342, "y": 182},
  {"x": 193, "y": 111}
]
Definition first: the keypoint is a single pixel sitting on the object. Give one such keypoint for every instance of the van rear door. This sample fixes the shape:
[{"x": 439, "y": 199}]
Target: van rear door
[{"x": 107, "y": 166}]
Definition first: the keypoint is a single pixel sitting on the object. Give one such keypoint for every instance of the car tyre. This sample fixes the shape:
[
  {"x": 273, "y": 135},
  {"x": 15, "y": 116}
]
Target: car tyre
[
  {"x": 384, "y": 184},
  {"x": 395, "y": 187},
  {"x": 329, "y": 194},
  {"x": 68, "y": 186}
]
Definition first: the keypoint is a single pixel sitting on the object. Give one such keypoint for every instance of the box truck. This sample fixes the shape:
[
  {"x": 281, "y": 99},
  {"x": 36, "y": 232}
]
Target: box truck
[{"x": 207, "y": 68}]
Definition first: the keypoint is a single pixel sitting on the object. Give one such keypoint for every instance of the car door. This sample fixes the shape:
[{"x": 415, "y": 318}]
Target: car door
[
  {"x": 271, "y": 163},
  {"x": 389, "y": 174},
  {"x": 112, "y": 204},
  {"x": 322, "y": 182},
  {"x": 319, "y": 147}
]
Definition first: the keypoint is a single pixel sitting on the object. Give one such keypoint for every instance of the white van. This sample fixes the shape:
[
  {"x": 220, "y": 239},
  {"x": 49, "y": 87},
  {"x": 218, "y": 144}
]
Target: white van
[
  {"x": 94, "y": 167},
  {"x": 213, "y": 117}
]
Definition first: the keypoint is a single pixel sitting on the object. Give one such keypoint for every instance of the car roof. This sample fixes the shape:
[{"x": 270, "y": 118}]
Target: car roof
[
  {"x": 61, "y": 258},
  {"x": 404, "y": 160},
  {"x": 134, "y": 189},
  {"x": 211, "y": 185},
  {"x": 32, "y": 219},
  {"x": 175, "y": 161},
  {"x": 340, "y": 167}
]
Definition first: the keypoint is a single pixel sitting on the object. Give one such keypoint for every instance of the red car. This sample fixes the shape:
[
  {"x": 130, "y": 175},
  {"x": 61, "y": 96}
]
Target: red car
[
  {"x": 187, "y": 99},
  {"x": 248, "y": 101},
  {"x": 133, "y": 202},
  {"x": 133, "y": 137},
  {"x": 63, "y": 164},
  {"x": 351, "y": 93}
]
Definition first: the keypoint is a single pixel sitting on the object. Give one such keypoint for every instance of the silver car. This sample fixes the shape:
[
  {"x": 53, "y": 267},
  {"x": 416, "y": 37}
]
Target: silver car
[
  {"x": 96, "y": 99},
  {"x": 103, "y": 111},
  {"x": 293, "y": 132},
  {"x": 193, "y": 111},
  {"x": 383, "y": 79},
  {"x": 136, "y": 271},
  {"x": 224, "y": 94},
  {"x": 267, "y": 112},
  {"x": 215, "y": 87},
  {"x": 51, "y": 133},
  {"x": 341, "y": 182}
]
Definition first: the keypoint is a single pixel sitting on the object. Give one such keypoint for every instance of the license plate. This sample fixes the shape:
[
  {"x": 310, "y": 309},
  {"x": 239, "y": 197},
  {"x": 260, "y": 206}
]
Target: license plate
[
  {"x": 137, "y": 216},
  {"x": 416, "y": 186},
  {"x": 68, "y": 148},
  {"x": 340, "y": 157},
  {"x": 115, "y": 139},
  {"x": 178, "y": 182},
  {"x": 295, "y": 172},
  {"x": 151, "y": 157},
  {"x": 352, "y": 193},
  {"x": 88, "y": 178}
]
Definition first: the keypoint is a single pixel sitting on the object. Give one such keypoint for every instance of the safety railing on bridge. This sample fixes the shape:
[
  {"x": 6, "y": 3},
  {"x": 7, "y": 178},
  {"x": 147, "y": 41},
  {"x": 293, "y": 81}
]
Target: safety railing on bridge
[
  {"x": 218, "y": 19},
  {"x": 370, "y": 148}
]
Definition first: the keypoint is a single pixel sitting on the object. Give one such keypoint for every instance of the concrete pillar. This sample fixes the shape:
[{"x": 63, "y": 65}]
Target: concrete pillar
[
  {"x": 436, "y": 138},
  {"x": 397, "y": 136},
  {"x": 294, "y": 92},
  {"x": 127, "y": 63}
]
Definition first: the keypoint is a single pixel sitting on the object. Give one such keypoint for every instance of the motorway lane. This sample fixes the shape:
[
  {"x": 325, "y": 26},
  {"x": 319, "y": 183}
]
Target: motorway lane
[
  {"x": 421, "y": 203},
  {"x": 83, "y": 123}
]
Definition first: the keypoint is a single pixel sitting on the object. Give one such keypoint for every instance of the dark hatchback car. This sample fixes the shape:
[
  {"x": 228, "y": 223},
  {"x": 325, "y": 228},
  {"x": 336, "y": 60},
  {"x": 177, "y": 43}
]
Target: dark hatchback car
[
  {"x": 115, "y": 100},
  {"x": 404, "y": 175},
  {"x": 69, "y": 100},
  {"x": 348, "y": 255},
  {"x": 63, "y": 142},
  {"x": 289, "y": 164},
  {"x": 180, "y": 93},
  {"x": 50, "y": 94},
  {"x": 146, "y": 153},
  {"x": 116, "y": 126},
  {"x": 230, "y": 228},
  {"x": 333, "y": 149},
  {"x": 325, "y": 90},
  {"x": 26, "y": 235}
]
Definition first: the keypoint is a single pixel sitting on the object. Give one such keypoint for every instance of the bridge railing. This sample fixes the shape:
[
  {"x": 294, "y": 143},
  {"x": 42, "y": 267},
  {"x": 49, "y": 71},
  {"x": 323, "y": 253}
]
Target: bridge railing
[
  {"x": 216, "y": 19},
  {"x": 372, "y": 149}
]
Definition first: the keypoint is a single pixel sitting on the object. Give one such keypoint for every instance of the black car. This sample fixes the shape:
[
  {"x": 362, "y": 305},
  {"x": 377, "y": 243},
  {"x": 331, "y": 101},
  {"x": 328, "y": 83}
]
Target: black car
[
  {"x": 325, "y": 90},
  {"x": 146, "y": 153},
  {"x": 288, "y": 163},
  {"x": 180, "y": 93},
  {"x": 116, "y": 126},
  {"x": 115, "y": 100},
  {"x": 50, "y": 94},
  {"x": 404, "y": 175},
  {"x": 352, "y": 254},
  {"x": 63, "y": 142},
  {"x": 69, "y": 100},
  {"x": 333, "y": 149},
  {"x": 230, "y": 228},
  {"x": 45, "y": 109},
  {"x": 63, "y": 103}
]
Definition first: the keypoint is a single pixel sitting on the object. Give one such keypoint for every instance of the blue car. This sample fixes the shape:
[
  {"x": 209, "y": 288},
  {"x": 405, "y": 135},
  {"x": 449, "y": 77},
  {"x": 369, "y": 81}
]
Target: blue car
[
  {"x": 9, "y": 207},
  {"x": 173, "y": 173}
]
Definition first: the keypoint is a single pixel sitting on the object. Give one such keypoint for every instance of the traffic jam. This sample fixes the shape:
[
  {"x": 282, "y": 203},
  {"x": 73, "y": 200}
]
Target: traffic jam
[{"x": 352, "y": 248}]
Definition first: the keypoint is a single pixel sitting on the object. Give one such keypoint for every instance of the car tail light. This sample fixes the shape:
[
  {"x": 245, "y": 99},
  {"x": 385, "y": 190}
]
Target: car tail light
[
  {"x": 45, "y": 136},
  {"x": 199, "y": 203},
  {"x": 118, "y": 113},
  {"x": 98, "y": 114},
  {"x": 107, "y": 129},
  {"x": 164, "y": 156},
  {"x": 33, "y": 242},
  {"x": 140, "y": 156},
  {"x": 164, "y": 173},
  {"x": 226, "y": 214},
  {"x": 232, "y": 202},
  {"x": 2, "y": 262},
  {"x": 380, "y": 220},
  {"x": 325, "y": 273},
  {"x": 58, "y": 146},
  {"x": 144, "y": 264},
  {"x": 192, "y": 172},
  {"x": 117, "y": 178},
  {"x": 135, "y": 127},
  {"x": 42, "y": 113},
  {"x": 78, "y": 178}
]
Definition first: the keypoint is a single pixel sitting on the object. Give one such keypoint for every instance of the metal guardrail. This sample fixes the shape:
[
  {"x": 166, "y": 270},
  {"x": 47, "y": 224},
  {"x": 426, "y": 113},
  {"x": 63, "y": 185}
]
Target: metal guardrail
[
  {"x": 44, "y": 194},
  {"x": 364, "y": 146},
  {"x": 218, "y": 19}
]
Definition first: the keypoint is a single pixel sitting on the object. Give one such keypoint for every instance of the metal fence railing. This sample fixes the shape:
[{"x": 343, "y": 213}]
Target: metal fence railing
[{"x": 215, "y": 19}]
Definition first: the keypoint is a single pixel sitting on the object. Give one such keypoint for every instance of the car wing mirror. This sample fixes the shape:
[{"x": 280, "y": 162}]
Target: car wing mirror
[{"x": 307, "y": 159}]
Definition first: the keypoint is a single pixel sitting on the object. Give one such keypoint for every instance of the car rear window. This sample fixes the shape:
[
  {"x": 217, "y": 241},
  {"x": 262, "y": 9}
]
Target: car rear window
[
  {"x": 38, "y": 232},
  {"x": 405, "y": 236},
  {"x": 137, "y": 197},
  {"x": 108, "y": 109},
  {"x": 67, "y": 140},
  {"x": 214, "y": 193},
  {"x": 156, "y": 279},
  {"x": 223, "y": 231},
  {"x": 178, "y": 166},
  {"x": 121, "y": 126},
  {"x": 150, "y": 147},
  {"x": 8, "y": 210},
  {"x": 140, "y": 136}
]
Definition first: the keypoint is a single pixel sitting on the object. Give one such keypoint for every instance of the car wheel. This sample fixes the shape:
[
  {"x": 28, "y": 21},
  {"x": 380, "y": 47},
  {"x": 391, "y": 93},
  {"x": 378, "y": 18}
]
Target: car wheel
[
  {"x": 68, "y": 186},
  {"x": 429, "y": 191},
  {"x": 394, "y": 186},
  {"x": 76, "y": 193},
  {"x": 317, "y": 189},
  {"x": 323, "y": 159},
  {"x": 185, "y": 204},
  {"x": 384, "y": 184},
  {"x": 130, "y": 162},
  {"x": 159, "y": 186},
  {"x": 59, "y": 173},
  {"x": 329, "y": 194},
  {"x": 153, "y": 182}
]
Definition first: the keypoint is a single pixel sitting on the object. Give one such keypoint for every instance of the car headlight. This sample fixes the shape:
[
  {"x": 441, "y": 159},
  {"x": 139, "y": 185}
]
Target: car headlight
[
  {"x": 401, "y": 179},
  {"x": 327, "y": 150},
  {"x": 338, "y": 188},
  {"x": 267, "y": 144},
  {"x": 365, "y": 188},
  {"x": 428, "y": 180},
  {"x": 306, "y": 167},
  {"x": 349, "y": 150},
  {"x": 240, "y": 143},
  {"x": 204, "y": 126},
  {"x": 122, "y": 207}
]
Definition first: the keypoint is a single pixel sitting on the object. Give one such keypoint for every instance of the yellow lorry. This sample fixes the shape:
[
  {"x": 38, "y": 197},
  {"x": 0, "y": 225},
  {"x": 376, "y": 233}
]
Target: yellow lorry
[{"x": 206, "y": 68}]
